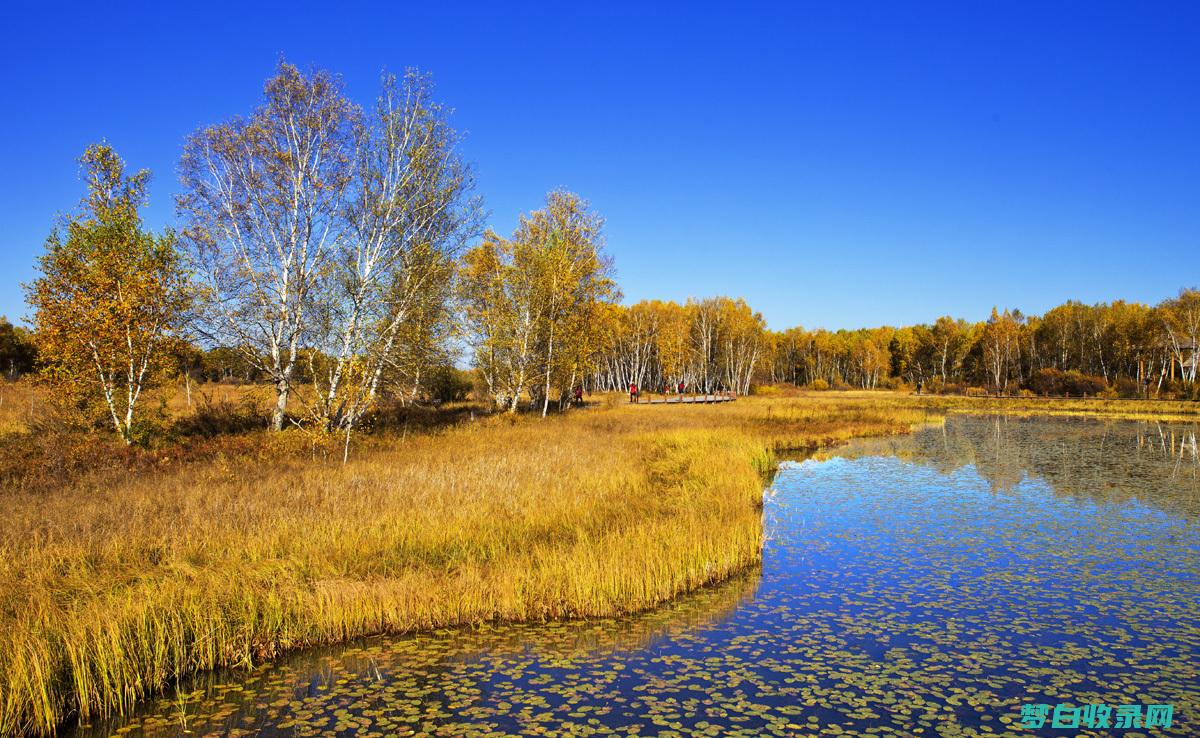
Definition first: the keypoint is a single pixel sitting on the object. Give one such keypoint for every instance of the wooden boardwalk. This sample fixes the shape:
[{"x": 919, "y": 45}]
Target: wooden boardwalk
[{"x": 689, "y": 400}]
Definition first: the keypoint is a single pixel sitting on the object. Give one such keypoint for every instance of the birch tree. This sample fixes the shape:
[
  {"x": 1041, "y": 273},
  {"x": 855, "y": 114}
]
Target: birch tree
[
  {"x": 263, "y": 204},
  {"x": 561, "y": 246},
  {"x": 705, "y": 325},
  {"x": 529, "y": 301},
  {"x": 109, "y": 295},
  {"x": 504, "y": 310},
  {"x": 999, "y": 339},
  {"x": 631, "y": 353},
  {"x": 952, "y": 341},
  {"x": 674, "y": 321},
  {"x": 487, "y": 312},
  {"x": 408, "y": 215},
  {"x": 742, "y": 342}
]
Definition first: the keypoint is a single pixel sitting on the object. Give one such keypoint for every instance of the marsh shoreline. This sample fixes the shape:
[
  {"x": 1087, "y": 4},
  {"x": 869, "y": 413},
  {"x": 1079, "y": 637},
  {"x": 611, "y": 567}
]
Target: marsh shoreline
[{"x": 635, "y": 507}]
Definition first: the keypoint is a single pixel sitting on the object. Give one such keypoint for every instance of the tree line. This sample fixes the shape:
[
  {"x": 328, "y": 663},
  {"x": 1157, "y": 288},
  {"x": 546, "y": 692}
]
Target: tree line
[
  {"x": 341, "y": 249},
  {"x": 1122, "y": 348},
  {"x": 1119, "y": 348}
]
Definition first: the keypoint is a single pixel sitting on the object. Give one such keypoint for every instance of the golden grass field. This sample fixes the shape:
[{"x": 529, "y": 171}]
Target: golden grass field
[{"x": 116, "y": 583}]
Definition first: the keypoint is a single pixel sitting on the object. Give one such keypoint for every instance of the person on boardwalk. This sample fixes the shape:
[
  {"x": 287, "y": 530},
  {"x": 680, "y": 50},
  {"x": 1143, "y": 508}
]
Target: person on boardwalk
[
  {"x": 633, "y": 393},
  {"x": 579, "y": 396},
  {"x": 919, "y": 383},
  {"x": 681, "y": 390}
]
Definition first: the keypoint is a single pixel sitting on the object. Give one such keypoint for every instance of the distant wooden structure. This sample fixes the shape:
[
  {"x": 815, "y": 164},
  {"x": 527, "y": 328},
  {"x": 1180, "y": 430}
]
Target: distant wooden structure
[
  {"x": 692, "y": 399},
  {"x": 1191, "y": 359},
  {"x": 1187, "y": 359}
]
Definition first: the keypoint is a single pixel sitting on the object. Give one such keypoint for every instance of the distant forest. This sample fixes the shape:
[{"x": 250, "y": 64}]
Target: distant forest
[{"x": 1114, "y": 349}]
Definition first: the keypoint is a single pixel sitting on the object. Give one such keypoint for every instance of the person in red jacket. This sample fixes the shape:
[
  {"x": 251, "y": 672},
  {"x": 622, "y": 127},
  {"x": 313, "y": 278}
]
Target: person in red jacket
[{"x": 633, "y": 392}]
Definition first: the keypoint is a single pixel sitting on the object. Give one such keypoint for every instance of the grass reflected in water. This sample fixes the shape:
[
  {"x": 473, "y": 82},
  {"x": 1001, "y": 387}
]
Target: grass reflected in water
[{"x": 923, "y": 585}]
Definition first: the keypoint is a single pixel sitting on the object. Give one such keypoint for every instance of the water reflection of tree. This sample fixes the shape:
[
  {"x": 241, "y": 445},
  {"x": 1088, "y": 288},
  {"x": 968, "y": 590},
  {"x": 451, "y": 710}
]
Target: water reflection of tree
[{"x": 1097, "y": 460}]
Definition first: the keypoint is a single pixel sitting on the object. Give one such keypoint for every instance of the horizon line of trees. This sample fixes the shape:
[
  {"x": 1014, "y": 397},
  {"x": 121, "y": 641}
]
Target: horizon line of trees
[
  {"x": 720, "y": 343},
  {"x": 1124, "y": 348},
  {"x": 1128, "y": 348}
]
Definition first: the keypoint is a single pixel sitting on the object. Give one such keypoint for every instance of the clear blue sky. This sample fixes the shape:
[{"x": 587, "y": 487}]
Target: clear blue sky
[{"x": 837, "y": 164}]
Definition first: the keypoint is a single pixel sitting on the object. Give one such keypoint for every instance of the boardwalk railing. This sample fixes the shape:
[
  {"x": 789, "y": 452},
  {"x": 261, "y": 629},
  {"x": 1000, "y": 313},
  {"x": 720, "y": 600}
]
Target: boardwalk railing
[{"x": 704, "y": 398}]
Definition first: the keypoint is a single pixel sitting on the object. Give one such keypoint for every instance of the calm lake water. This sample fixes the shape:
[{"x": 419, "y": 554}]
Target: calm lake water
[{"x": 926, "y": 585}]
